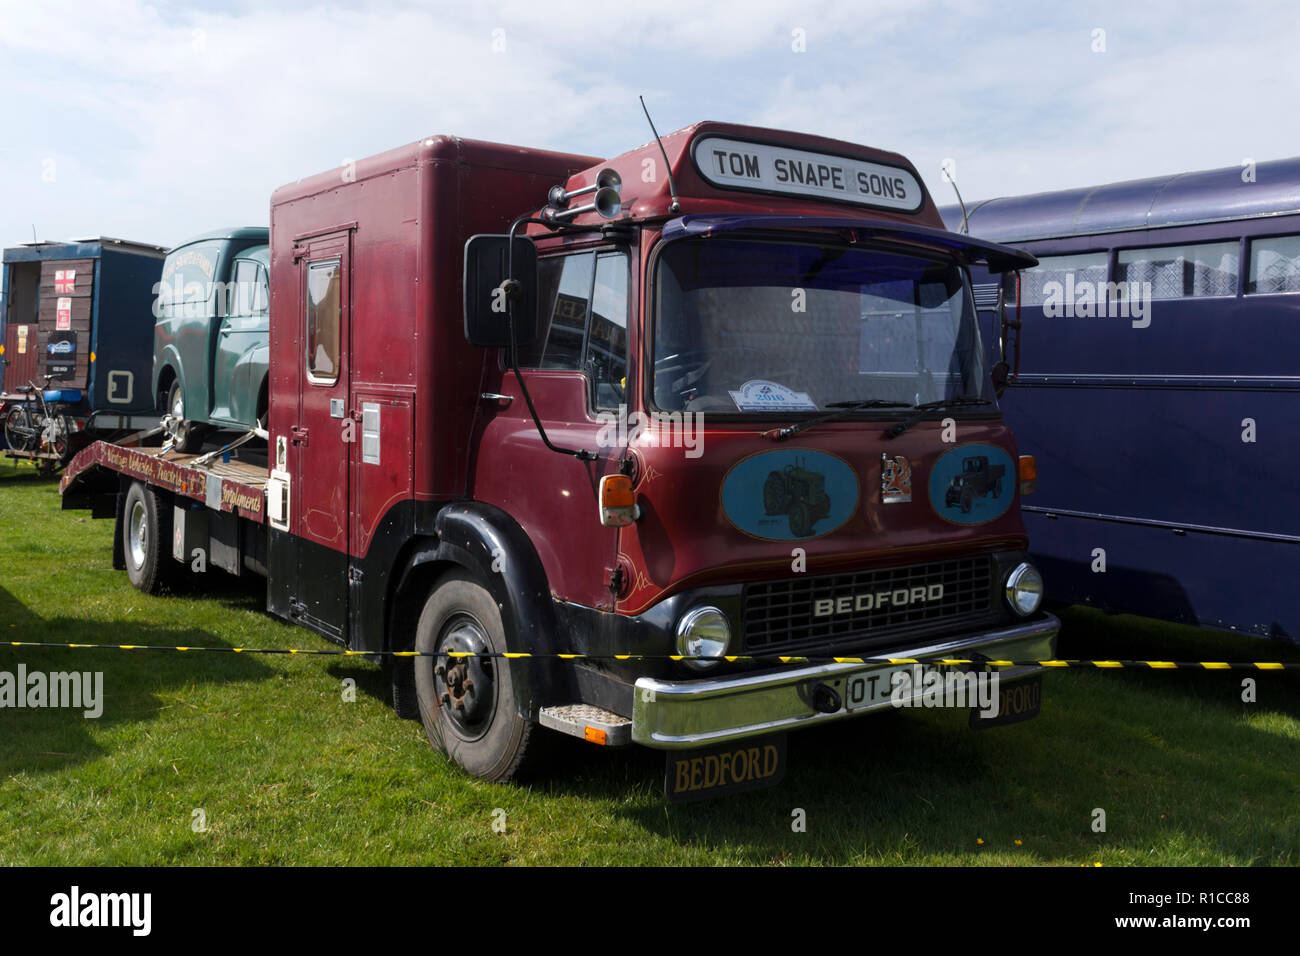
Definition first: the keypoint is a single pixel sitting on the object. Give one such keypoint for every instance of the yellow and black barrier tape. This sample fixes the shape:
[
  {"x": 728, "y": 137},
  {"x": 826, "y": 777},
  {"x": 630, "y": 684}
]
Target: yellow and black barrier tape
[{"x": 729, "y": 658}]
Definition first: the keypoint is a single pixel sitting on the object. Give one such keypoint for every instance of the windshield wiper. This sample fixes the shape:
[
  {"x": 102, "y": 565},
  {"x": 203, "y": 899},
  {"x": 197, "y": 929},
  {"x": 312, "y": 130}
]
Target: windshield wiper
[
  {"x": 923, "y": 408},
  {"x": 841, "y": 409}
]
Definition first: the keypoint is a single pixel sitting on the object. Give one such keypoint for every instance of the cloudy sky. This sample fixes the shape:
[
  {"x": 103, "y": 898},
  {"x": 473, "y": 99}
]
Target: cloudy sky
[{"x": 156, "y": 121}]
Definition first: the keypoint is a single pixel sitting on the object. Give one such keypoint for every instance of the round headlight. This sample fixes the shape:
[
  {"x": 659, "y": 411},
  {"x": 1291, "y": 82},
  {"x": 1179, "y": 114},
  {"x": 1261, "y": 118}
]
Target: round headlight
[
  {"x": 1024, "y": 589},
  {"x": 703, "y": 632}
]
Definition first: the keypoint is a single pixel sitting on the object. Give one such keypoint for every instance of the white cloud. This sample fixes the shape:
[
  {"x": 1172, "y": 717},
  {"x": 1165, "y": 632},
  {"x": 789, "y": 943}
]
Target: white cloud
[{"x": 164, "y": 121}]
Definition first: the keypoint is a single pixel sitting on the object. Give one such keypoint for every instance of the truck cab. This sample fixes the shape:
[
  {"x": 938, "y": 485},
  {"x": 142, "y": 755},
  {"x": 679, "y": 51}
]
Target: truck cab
[
  {"x": 731, "y": 356},
  {"x": 211, "y": 348}
]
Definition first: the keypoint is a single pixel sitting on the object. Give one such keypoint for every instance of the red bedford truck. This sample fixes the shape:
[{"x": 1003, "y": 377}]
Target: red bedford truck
[{"x": 745, "y": 370}]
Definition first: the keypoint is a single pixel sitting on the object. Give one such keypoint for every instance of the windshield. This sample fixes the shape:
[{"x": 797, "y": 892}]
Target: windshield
[{"x": 746, "y": 325}]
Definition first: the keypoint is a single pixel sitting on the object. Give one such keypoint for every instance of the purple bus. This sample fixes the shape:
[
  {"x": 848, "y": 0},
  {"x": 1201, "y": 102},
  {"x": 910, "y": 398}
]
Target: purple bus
[{"x": 1160, "y": 390}]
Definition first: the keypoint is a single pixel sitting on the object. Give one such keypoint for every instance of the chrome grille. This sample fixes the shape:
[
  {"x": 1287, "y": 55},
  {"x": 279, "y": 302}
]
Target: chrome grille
[{"x": 778, "y": 615}]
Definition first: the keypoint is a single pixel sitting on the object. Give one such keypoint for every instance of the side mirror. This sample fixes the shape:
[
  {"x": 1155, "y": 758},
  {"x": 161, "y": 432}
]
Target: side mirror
[
  {"x": 487, "y": 298},
  {"x": 1007, "y": 368}
]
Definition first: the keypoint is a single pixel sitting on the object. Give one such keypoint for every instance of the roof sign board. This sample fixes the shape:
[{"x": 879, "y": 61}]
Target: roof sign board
[{"x": 772, "y": 168}]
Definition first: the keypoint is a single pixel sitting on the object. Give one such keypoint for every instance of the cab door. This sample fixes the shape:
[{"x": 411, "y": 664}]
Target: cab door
[{"x": 318, "y": 449}]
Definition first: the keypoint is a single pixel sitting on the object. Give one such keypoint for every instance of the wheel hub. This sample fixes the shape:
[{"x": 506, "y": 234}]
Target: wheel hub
[
  {"x": 464, "y": 685},
  {"x": 136, "y": 536}
]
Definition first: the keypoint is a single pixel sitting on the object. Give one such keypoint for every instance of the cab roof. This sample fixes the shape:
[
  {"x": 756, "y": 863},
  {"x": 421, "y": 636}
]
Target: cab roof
[
  {"x": 647, "y": 193},
  {"x": 230, "y": 232}
]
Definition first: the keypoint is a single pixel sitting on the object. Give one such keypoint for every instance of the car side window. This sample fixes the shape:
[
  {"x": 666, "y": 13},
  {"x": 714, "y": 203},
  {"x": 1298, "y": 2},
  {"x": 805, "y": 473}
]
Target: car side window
[{"x": 244, "y": 293}]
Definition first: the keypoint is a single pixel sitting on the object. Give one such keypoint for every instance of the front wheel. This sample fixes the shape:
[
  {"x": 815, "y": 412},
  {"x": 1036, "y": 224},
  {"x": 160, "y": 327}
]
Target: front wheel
[{"x": 469, "y": 705}]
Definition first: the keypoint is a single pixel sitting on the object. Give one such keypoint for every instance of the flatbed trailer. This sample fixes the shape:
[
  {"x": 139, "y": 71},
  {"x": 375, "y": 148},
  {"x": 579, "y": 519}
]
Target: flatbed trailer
[{"x": 217, "y": 507}]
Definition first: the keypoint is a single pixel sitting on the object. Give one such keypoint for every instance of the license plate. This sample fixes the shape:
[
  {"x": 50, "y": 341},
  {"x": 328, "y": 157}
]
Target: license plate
[
  {"x": 1016, "y": 702},
  {"x": 875, "y": 687},
  {"x": 730, "y": 768}
]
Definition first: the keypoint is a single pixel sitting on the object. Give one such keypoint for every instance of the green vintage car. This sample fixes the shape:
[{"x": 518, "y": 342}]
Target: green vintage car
[{"x": 211, "y": 337}]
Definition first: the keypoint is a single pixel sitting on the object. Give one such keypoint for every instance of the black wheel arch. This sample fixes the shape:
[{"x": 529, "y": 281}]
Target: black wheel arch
[{"x": 489, "y": 544}]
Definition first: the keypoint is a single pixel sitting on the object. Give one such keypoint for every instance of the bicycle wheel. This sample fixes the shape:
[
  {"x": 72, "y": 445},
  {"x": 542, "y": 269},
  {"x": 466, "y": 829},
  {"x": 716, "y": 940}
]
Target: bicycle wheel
[
  {"x": 19, "y": 434},
  {"x": 58, "y": 429}
]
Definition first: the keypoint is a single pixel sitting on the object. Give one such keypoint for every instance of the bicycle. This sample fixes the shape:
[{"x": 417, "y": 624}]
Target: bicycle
[{"x": 47, "y": 430}]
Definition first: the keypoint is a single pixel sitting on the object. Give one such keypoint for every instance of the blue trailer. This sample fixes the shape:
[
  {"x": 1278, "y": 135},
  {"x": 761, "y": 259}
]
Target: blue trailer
[
  {"x": 1159, "y": 390},
  {"x": 77, "y": 344}
]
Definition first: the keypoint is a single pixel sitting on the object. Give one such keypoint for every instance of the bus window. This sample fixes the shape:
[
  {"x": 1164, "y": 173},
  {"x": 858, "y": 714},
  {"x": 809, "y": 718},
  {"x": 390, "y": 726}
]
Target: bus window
[
  {"x": 1274, "y": 265},
  {"x": 1176, "y": 272},
  {"x": 1085, "y": 267}
]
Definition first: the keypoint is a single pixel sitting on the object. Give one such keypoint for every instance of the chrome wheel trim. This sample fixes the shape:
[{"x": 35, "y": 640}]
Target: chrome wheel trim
[{"x": 135, "y": 538}]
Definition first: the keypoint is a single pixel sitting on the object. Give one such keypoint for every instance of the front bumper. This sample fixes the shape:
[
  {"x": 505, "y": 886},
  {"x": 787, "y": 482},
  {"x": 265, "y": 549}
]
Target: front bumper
[{"x": 682, "y": 715}]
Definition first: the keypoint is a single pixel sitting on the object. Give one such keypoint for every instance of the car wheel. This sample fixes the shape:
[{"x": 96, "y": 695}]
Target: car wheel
[
  {"x": 146, "y": 532},
  {"x": 185, "y": 434},
  {"x": 468, "y": 705}
]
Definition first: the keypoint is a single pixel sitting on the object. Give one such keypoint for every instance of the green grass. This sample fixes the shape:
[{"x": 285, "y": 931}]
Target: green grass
[{"x": 286, "y": 771}]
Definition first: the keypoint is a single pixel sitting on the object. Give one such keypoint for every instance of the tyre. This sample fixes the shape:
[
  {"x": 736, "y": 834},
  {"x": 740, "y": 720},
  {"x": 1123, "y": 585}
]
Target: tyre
[
  {"x": 186, "y": 435},
  {"x": 19, "y": 435},
  {"x": 468, "y": 704},
  {"x": 57, "y": 435},
  {"x": 400, "y": 674},
  {"x": 146, "y": 539},
  {"x": 967, "y": 499}
]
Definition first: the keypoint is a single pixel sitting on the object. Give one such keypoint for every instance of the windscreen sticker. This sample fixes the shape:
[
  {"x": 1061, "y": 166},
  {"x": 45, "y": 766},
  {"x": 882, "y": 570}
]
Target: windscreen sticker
[
  {"x": 758, "y": 395},
  {"x": 972, "y": 484},
  {"x": 789, "y": 495}
]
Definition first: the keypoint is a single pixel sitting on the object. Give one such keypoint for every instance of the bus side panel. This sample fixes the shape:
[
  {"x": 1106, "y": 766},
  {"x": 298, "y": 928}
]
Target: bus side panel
[
  {"x": 1208, "y": 580},
  {"x": 1184, "y": 456}
]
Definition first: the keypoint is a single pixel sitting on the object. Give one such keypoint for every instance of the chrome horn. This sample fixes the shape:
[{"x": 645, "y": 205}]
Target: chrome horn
[
  {"x": 605, "y": 179},
  {"x": 606, "y": 203}
]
